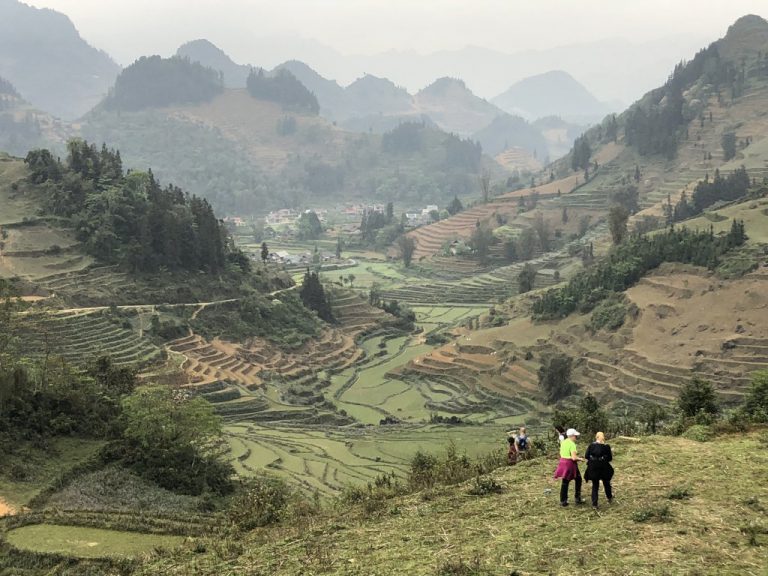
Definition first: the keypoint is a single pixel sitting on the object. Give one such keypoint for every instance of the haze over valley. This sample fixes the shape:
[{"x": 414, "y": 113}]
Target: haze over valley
[{"x": 307, "y": 288}]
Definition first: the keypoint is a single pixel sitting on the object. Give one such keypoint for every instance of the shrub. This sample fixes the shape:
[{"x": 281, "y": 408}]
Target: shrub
[
  {"x": 484, "y": 485},
  {"x": 651, "y": 416},
  {"x": 609, "y": 315},
  {"x": 755, "y": 407},
  {"x": 659, "y": 513},
  {"x": 697, "y": 396},
  {"x": 680, "y": 493},
  {"x": 261, "y": 501},
  {"x": 374, "y": 495},
  {"x": 698, "y": 433}
]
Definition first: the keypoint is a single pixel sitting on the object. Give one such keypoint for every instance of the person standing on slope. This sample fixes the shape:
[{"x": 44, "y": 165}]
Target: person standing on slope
[
  {"x": 599, "y": 467},
  {"x": 568, "y": 467}
]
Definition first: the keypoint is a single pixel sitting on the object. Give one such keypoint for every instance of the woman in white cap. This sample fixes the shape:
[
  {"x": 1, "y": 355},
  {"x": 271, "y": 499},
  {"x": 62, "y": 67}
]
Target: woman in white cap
[{"x": 568, "y": 467}]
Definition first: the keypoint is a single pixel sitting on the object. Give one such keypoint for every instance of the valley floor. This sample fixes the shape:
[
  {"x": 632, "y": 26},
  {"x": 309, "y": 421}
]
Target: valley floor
[{"x": 721, "y": 528}]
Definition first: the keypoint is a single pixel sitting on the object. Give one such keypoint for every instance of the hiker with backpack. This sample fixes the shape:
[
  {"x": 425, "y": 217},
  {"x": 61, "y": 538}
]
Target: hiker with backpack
[
  {"x": 599, "y": 467},
  {"x": 568, "y": 467},
  {"x": 521, "y": 443}
]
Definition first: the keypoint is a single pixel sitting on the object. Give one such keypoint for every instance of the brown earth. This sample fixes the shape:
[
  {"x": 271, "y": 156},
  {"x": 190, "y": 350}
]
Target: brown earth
[{"x": 6, "y": 509}]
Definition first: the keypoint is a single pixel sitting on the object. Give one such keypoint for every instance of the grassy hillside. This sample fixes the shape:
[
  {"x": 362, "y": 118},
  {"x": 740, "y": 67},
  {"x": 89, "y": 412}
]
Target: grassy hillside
[{"x": 670, "y": 514}]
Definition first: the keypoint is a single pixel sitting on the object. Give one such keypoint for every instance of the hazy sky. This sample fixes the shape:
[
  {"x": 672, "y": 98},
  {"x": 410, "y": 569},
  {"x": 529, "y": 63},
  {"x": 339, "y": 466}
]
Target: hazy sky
[{"x": 131, "y": 28}]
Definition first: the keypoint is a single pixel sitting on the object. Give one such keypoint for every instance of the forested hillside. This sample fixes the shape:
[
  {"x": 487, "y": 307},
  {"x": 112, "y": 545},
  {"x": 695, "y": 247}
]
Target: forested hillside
[
  {"x": 247, "y": 156},
  {"x": 155, "y": 82},
  {"x": 128, "y": 219}
]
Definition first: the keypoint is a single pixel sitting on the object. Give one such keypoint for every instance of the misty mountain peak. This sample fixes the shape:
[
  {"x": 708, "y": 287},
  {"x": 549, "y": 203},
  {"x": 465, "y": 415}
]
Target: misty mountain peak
[
  {"x": 442, "y": 86},
  {"x": 747, "y": 36}
]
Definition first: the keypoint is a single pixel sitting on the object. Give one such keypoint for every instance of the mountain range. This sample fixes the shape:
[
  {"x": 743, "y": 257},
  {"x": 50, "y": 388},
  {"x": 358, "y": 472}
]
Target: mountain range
[{"x": 51, "y": 66}]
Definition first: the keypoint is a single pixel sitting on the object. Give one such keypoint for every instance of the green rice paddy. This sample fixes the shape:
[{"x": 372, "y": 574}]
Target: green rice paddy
[
  {"x": 327, "y": 460},
  {"x": 87, "y": 542}
]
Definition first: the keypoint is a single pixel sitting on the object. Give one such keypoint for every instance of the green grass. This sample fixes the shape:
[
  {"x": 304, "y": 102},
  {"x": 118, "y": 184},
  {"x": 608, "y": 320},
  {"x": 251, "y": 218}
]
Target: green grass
[
  {"x": 523, "y": 530},
  {"x": 82, "y": 542}
]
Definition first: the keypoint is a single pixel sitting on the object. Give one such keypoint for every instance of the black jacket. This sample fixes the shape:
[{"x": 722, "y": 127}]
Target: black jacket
[{"x": 598, "y": 458}]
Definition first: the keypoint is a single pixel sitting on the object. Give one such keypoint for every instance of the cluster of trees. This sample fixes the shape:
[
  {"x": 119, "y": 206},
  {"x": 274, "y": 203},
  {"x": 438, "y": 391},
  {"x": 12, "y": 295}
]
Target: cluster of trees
[
  {"x": 309, "y": 226},
  {"x": 629, "y": 261},
  {"x": 314, "y": 297},
  {"x": 282, "y": 87},
  {"x": 654, "y": 124},
  {"x": 455, "y": 206},
  {"x": 728, "y": 142},
  {"x": 581, "y": 153},
  {"x": 129, "y": 219},
  {"x": 481, "y": 241},
  {"x": 54, "y": 399},
  {"x": 411, "y": 138},
  {"x": 405, "y": 139},
  {"x": 721, "y": 189},
  {"x": 380, "y": 229},
  {"x": 284, "y": 321},
  {"x": 154, "y": 82},
  {"x": 539, "y": 237},
  {"x": 170, "y": 438}
]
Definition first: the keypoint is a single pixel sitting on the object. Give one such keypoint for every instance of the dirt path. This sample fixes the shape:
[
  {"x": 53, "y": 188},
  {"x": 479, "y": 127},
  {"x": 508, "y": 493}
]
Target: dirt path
[{"x": 6, "y": 509}]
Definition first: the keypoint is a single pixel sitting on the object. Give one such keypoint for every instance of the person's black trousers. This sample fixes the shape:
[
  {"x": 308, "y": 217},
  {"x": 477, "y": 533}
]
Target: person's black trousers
[
  {"x": 564, "y": 489},
  {"x": 596, "y": 489}
]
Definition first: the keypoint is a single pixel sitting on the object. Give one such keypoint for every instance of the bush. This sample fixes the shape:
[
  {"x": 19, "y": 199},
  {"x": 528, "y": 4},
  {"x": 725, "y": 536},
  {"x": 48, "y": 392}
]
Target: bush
[
  {"x": 484, "y": 485},
  {"x": 680, "y": 493},
  {"x": 698, "y": 433},
  {"x": 260, "y": 501},
  {"x": 697, "y": 396},
  {"x": 659, "y": 513},
  {"x": 755, "y": 407},
  {"x": 609, "y": 314}
]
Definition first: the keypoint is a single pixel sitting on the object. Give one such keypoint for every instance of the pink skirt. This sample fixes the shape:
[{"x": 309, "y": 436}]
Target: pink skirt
[{"x": 567, "y": 469}]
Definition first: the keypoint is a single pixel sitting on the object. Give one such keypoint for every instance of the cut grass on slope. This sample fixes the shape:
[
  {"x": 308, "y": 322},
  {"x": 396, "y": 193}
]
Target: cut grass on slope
[{"x": 718, "y": 530}]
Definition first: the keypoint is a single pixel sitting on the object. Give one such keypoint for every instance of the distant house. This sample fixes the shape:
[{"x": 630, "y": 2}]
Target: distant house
[
  {"x": 235, "y": 221},
  {"x": 283, "y": 216}
]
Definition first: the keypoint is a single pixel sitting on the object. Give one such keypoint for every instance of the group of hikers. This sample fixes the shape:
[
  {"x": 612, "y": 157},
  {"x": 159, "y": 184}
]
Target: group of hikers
[{"x": 598, "y": 458}]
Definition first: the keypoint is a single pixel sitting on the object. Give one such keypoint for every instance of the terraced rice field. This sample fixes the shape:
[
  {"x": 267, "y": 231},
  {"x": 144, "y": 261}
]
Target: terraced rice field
[
  {"x": 327, "y": 460},
  {"x": 82, "y": 542},
  {"x": 372, "y": 390},
  {"x": 80, "y": 338},
  {"x": 488, "y": 288}
]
